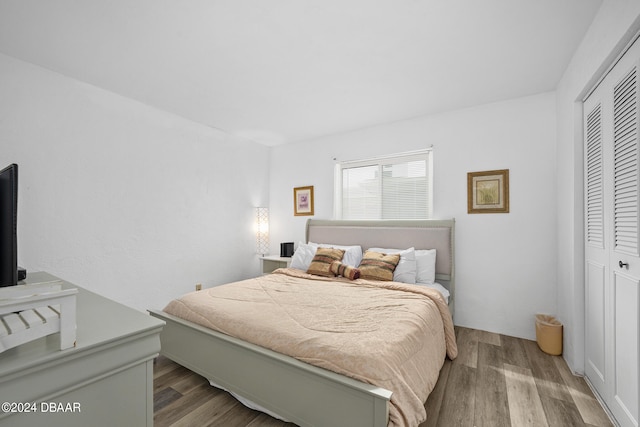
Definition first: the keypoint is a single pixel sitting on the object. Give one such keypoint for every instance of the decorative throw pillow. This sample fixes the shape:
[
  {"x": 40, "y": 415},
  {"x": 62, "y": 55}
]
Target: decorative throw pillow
[
  {"x": 405, "y": 271},
  {"x": 344, "y": 270},
  {"x": 322, "y": 260},
  {"x": 378, "y": 266},
  {"x": 352, "y": 254}
]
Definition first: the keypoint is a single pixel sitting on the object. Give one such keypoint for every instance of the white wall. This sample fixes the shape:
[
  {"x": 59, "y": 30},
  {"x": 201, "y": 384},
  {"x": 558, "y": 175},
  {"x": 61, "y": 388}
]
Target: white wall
[
  {"x": 123, "y": 199},
  {"x": 611, "y": 30},
  {"x": 505, "y": 263}
]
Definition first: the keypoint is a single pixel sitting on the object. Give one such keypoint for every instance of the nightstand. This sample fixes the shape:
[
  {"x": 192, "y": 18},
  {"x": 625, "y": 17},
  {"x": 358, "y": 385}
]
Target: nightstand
[{"x": 273, "y": 262}]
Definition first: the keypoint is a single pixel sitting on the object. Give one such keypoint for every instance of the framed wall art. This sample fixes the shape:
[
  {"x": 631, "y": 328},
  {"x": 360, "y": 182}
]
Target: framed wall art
[
  {"x": 488, "y": 191},
  {"x": 303, "y": 201}
]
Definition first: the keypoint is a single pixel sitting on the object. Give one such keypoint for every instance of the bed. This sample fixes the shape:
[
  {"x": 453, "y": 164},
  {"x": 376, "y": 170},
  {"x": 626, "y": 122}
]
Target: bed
[{"x": 311, "y": 393}]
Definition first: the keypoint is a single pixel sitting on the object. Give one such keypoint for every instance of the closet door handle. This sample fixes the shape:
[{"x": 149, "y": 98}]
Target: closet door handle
[{"x": 623, "y": 264}]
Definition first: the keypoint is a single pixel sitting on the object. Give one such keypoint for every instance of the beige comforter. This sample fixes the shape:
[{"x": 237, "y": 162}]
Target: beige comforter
[{"x": 388, "y": 334}]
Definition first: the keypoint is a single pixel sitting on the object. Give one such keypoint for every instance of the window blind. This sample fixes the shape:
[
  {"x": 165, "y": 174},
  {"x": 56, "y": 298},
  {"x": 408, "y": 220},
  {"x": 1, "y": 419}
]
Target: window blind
[{"x": 393, "y": 187}]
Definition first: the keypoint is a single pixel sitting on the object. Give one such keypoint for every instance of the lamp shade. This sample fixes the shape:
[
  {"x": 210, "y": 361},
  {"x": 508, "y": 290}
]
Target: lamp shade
[{"x": 262, "y": 230}]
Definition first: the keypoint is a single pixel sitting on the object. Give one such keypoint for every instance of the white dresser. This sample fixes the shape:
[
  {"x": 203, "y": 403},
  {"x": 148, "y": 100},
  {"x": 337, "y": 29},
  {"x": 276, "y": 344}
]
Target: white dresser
[{"x": 106, "y": 380}]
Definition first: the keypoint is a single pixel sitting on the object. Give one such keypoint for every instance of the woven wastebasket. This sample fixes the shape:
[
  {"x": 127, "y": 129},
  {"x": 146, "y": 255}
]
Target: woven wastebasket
[{"x": 549, "y": 334}]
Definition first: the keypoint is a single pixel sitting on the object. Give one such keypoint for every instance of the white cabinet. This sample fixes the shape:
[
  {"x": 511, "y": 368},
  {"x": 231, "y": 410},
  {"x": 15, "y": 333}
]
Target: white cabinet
[
  {"x": 105, "y": 380},
  {"x": 612, "y": 247}
]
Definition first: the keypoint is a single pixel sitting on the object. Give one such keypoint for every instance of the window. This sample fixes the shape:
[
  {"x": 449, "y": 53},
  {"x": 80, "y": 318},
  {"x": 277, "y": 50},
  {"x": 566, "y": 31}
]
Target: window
[{"x": 393, "y": 187}]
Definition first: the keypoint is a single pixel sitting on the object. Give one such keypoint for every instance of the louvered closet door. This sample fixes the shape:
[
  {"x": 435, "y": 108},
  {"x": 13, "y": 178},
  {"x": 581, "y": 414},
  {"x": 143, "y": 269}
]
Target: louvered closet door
[
  {"x": 612, "y": 192},
  {"x": 597, "y": 247}
]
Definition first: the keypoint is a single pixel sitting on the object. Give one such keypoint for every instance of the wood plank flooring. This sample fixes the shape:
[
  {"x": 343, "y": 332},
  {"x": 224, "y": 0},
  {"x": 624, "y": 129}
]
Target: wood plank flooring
[{"x": 495, "y": 381}]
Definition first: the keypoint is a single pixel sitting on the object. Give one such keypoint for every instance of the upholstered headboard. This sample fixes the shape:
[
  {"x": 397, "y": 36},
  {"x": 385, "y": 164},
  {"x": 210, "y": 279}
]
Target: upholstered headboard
[{"x": 398, "y": 234}]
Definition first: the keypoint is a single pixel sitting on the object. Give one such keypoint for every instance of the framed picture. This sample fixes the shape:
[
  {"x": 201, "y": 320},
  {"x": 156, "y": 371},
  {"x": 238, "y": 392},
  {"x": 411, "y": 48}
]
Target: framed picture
[
  {"x": 303, "y": 201},
  {"x": 488, "y": 191}
]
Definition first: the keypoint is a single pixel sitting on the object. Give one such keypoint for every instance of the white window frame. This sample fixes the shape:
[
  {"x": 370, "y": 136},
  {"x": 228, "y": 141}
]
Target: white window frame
[{"x": 426, "y": 154}]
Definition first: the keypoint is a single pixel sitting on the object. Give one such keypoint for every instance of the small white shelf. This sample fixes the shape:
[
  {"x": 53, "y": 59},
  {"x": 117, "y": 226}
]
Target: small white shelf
[
  {"x": 29, "y": 312},
  {"x": 273, "y": 262}
]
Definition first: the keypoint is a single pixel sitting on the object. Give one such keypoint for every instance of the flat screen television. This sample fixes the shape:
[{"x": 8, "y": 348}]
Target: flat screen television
[{"x": 9, "y": 226}]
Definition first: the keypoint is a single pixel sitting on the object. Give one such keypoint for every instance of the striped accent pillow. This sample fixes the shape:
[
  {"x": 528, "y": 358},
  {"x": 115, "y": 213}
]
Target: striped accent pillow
[
  {"x": 378, "y": 266},
  {"x": 344, "y": 270},
  {"x": 321, "y": 263}
]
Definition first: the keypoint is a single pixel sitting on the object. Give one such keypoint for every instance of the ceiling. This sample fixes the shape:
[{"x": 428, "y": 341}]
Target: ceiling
[{"x": 281, "y": 71}]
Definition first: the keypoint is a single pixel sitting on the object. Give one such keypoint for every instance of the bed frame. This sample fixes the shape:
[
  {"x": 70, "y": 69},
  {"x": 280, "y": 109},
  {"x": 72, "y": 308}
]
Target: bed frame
[{"x": 294, "y": 390}]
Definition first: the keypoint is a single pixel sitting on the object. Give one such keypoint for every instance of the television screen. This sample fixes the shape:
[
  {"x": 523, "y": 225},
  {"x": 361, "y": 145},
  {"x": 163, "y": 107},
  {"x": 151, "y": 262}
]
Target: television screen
[{"x": 8, "y": 225}]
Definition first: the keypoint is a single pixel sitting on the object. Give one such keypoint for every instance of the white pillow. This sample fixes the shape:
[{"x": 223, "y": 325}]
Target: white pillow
[
  {"x": 438, "y": 287},
  {"x": 426, "y": 266},
  {"x": 352, "y": 254},
  {"x": 303, "y": 256},
  {"x": 406, "y": 269}
]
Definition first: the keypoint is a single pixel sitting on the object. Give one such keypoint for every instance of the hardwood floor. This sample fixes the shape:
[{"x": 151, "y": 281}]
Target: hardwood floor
[{"x": 495, "y": 381}]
